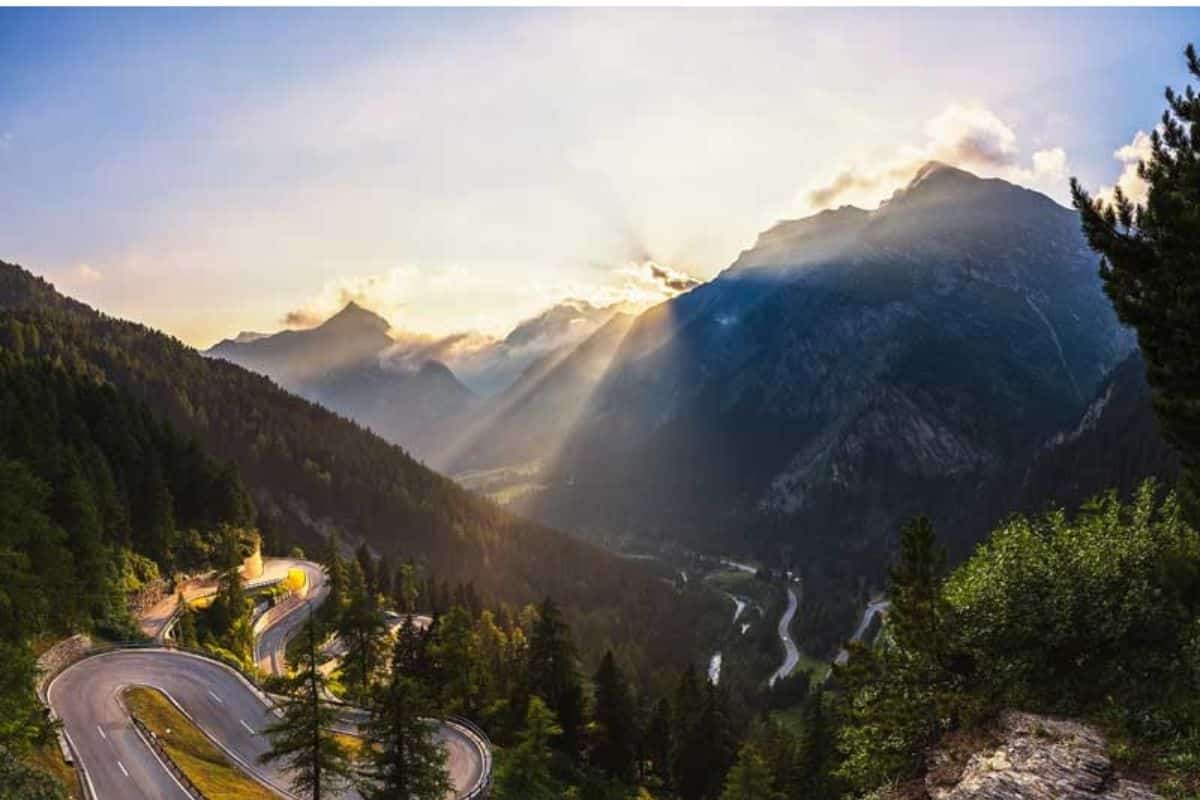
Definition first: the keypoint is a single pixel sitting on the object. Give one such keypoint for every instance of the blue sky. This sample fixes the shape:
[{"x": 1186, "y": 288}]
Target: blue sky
[{"x": 208, "y": 171}]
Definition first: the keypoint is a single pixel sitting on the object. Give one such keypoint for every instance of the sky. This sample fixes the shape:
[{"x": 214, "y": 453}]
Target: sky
[{"x": 213, "y": 171}]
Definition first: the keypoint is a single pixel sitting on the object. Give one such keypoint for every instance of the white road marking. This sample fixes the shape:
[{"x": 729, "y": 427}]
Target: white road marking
[
  {"x": 213, "y": 695},
  {"x": 247, "y": 727},
  {"x": 100, "y": 731},
  {"x": 124, "y": 771}
]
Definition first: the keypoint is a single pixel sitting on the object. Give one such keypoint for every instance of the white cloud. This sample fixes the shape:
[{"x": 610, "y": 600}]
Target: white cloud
[
  {"x": 1130, "y": 182},
  {"x": 420, "y": 299},
  {"x": 82, "y": 274},
  {"x": 970, "y": 136}
]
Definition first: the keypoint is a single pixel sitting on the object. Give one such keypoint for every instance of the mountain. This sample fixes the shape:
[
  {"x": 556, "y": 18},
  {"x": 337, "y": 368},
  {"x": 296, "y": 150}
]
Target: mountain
[
  {"x": 1114, "y": 444},
  {"x": 490, "y": 366},
  {"x": 311, "y": 471},
  {"x": 338, "y": 364},
  {"x": 525, "y": 424},
  {"x": 849, "y": 370},
  {"x": 407, "y": 388},
  {"x": 352, "y": 336}
]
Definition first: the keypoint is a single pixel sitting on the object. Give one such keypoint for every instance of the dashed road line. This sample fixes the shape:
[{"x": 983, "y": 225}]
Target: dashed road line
[
  {"x": 247, "y": 727},
  {"x": 124, "y": 771}
]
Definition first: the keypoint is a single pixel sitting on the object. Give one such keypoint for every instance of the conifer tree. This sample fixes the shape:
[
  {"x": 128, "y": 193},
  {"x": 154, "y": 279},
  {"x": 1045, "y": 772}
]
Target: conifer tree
[
  {"x": 615, "y": 737},
  {"x": 1150, "y": 264},
  {"x": 406, "y": 761},
  {"x": 335, "y": 569},
  {"x": 366, "y": 563},
  {"x": 455, "y": 650},
  {"x": 750, "y": 778},
  {"x": 408, "y": 651},
  {"x": 524, "y": 773},
  {"x": 553, "y": 675},
  {"x": 363, "y": 630},
  {"x": 302, "y": 740},
  {"x": 657, "y": 742}
]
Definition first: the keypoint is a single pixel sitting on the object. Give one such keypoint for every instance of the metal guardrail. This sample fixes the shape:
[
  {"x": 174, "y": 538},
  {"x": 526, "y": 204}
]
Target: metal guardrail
[{"x": 180, "y": 776}]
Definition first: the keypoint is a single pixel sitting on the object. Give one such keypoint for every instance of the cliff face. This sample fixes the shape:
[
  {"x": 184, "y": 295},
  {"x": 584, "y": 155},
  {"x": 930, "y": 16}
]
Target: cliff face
[{"x": 1030, "y": 757}]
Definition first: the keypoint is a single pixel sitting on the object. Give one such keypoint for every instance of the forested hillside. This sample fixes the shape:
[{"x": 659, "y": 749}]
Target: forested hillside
[
  {"x": 311, "y": 471},
  {"x": 98, "y": 499}
]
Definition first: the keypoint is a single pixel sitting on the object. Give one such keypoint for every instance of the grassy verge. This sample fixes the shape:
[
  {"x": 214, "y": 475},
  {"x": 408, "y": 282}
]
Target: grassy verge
[
  {"x": 191, "y": 750},
  {"x": 48, "y": 758}
]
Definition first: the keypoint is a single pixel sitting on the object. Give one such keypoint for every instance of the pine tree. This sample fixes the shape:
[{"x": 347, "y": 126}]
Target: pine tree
[
  {"x": 687, "y": 706},
  {"x": 524, "y": 772},
  {"x": 302, "y": 739},
  {"x": 553, "y": 675},
  {"x": 750, "y": 778},
  {"x": 615, "y": 736},
  {"x": 366, "y": 562},
  {"x": 915, "y": 618},
  {"x": 899, "y": 701},
  {"x": 363, "y": 630},
  {"x": 406, "y": 587},
  {"x": 657, "y": 742},
  {"x": 406, "y": 761},
  {"x": 335, "y": 569},
  {"x": 408, "y": 651},
  {"x": 1150, "y": 264},
  {"x": 456, "y": 651}
]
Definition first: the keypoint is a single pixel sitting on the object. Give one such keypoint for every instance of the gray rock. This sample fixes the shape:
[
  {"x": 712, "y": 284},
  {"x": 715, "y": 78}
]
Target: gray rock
[{"x": 1034, "y": 758}]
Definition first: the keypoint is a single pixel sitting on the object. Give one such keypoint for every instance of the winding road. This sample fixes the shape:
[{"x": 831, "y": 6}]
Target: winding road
[
  {"x": 791, "y": 653},
  {"x": 873, "y": 609},
  {"x": 118, "y": 765}
]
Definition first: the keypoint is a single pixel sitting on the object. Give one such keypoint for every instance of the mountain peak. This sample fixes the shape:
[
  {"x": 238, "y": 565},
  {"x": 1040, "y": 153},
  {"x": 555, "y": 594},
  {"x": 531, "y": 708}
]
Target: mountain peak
[
  {"x": 352, "y": 314},
  {"x": 939, "y": 172}
]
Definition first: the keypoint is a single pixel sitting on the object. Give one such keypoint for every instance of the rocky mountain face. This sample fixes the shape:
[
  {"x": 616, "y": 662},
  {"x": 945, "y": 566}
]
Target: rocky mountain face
[
  {"x": 338, "y": 364},
  {"x": 1114, "y": 444},
  {"x": 850, "y": 370}
]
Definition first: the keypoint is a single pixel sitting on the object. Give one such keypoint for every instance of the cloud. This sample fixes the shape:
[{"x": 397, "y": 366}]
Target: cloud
[
  {"x": 6, "y": 139},
  {"x": 970, "y": 136},
  {"x": 82, "y": 274},
  {"x": 1131, "y": 183},
  {"x": 302, "y": 318},
  {"x": 386, "y": 293},
  {"x": 672, "y": 280}
]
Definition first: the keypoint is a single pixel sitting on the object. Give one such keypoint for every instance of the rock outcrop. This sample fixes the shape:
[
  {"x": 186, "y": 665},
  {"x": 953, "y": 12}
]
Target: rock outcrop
[{"x": 1032, "y": 757}]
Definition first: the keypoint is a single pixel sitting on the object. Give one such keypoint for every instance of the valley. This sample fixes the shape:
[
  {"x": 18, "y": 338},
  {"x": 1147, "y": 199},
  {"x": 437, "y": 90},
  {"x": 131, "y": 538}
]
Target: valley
[{"x": 586, "y": 403}]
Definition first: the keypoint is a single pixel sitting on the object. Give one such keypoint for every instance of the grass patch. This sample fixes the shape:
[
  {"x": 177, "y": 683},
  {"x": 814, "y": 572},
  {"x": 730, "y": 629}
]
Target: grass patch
[
  {"x": 48, "y": 758},
  {"x": 193, "y": 752}
]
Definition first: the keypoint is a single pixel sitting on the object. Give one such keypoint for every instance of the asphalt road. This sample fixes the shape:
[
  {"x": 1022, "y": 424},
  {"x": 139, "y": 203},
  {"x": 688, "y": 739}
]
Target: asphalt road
[
  {"x": 120, "y": 766},
  {"x": 873, "y": 609},
  {"x": 271, "y": 645},
  {"x": 791, "y": 653}
]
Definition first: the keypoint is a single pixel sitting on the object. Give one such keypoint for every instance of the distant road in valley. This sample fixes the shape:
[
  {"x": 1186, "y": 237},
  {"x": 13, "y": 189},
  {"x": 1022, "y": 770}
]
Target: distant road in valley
[
  {"x": 874, "y": 608},
  {"x": 791, "y": 655}
]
